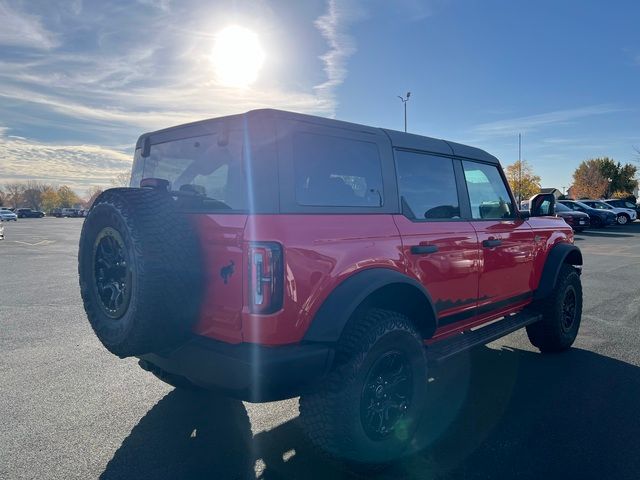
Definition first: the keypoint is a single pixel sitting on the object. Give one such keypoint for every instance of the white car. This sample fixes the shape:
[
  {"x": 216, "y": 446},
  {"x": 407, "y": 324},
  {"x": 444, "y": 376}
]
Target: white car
[
  {"x": 6, "y": 215},
  {"x": 623, "y": 215}
]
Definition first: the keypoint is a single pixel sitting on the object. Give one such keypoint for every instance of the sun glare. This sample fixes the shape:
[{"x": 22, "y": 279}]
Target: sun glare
[{"x": 237, "y": 57}]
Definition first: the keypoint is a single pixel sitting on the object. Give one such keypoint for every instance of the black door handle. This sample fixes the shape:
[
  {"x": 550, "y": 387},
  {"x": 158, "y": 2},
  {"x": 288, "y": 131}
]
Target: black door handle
[
  {"x": 424, "y": 249},
  {"x": 494, "y": 242}
]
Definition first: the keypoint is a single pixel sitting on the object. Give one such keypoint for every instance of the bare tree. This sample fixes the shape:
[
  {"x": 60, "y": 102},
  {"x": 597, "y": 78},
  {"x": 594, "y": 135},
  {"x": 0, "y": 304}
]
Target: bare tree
[
  {"x": 3, "y": 197},
  {"x": 122, "y": 179},
  {"x": 14, "y": 193},
  {"x": 93, "y": 193},
  {"x": 32, "y": 195}
]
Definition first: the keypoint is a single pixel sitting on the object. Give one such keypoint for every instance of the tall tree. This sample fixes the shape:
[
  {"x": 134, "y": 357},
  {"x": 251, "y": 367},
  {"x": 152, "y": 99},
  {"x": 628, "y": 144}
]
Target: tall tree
[
  {"x": 523, "y": 182},
  {"x": 3, "y": 197},
  {"x": 32, "y": 195},
  {"x": 14, "y": 193},
  {"x": 50, "y": 199},
  {"x": 602, "y": 177},
  {"x": 67, "y": 197},
  {"x": 589, "y": 181}
]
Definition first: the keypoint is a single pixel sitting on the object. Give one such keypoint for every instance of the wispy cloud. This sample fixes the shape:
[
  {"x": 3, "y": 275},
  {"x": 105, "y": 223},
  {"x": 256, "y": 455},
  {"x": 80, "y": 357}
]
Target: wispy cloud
[
  {"x": 333, "y": 27},
  {"x": 79, "y": 166},
  {"x": 536, "y": 122},
  {"x": 86, "y": 74},
  {"x": 20, "y": 29}
]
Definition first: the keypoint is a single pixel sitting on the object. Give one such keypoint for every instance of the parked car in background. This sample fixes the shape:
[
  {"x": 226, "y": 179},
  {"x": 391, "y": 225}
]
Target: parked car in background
[
  {"x": 623, "y": 215},
  {"x": 6, "y": 215},
  {"x": 28, "y": 213},
  {"x": 598, "y": 218},
  {"x": 70, "y": 212},
  {"x": 55, "y": 212},
  {"x": 1, "y": 231},
  {"x": 620, "y": 203},
  {"x": 576, "y": 220}
]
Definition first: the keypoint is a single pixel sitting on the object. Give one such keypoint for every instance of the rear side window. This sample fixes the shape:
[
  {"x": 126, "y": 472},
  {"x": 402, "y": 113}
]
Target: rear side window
[
  {"x": 427, "y": 186},
  {"x": 488, "y": 193},
  {"x": 206, "y": 165},
  {"x": 335, "y": 171}
]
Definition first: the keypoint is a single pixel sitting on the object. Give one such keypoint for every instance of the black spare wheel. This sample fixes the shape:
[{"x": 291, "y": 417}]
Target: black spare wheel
[{"x": 139, "y": 269}]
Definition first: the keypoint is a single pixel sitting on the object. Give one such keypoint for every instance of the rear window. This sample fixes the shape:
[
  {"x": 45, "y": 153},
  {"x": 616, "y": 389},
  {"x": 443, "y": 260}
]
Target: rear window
[
  {"x": 209, "y": 165},
  {"x": 335, "y": 171}
]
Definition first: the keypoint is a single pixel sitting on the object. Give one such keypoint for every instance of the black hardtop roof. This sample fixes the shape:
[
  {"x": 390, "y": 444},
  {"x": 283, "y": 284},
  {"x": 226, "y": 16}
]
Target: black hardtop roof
[{"x": 398, "y": 139}]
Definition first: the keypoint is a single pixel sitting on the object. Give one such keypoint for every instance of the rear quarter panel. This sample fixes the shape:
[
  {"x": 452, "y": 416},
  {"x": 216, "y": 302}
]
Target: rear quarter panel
[{"x": 320, "y": 251}]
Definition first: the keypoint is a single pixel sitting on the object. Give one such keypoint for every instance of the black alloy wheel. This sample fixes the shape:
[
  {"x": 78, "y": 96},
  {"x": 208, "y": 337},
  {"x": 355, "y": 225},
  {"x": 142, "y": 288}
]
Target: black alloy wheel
[
  {"x": 386, "y": 395},
  {"x": 113, "y": 274}
]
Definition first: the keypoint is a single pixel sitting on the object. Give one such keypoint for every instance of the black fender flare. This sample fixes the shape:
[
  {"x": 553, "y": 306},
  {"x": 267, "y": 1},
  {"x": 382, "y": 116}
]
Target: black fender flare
[
  {"x": 334, "y": 313},
  {"x": 560, "y": 254}
]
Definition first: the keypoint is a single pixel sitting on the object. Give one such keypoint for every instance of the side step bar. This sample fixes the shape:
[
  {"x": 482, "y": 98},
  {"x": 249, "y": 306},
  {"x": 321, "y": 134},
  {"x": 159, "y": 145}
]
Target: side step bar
[{"x": 444, "y": 349}]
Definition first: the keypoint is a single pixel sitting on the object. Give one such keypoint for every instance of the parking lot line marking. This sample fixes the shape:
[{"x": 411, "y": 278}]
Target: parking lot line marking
[{"x": 41, "y": 242}]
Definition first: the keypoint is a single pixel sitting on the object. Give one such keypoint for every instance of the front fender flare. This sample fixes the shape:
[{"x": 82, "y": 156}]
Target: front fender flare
[
  {"x": 334, "y": 313},
  {"x": 560, "y": 254}
]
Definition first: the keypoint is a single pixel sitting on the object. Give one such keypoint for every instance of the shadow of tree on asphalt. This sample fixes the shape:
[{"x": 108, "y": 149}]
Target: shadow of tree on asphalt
[{"x": 491, "y": 414}]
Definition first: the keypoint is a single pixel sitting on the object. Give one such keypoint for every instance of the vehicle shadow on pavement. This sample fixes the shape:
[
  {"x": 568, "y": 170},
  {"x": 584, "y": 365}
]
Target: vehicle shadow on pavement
[
  {"x": 605, "y": 235},
  {"x": 186, "y": 435},
  {"x": 492, "y": 414}
]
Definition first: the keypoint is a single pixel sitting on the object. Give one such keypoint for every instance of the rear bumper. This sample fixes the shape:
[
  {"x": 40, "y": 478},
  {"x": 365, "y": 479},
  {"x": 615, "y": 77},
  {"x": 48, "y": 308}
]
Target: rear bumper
[{"x": 247, "y": 371}]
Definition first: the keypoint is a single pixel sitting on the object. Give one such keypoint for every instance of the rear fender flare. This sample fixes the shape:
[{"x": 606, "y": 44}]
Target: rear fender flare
[{"x": 334, "y": 313}]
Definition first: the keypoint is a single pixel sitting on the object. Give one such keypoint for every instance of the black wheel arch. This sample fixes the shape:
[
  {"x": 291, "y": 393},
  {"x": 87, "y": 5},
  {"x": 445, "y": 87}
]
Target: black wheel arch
[
  {"x": 373, "y": 288},
  {"x": 560, "y": 254}
]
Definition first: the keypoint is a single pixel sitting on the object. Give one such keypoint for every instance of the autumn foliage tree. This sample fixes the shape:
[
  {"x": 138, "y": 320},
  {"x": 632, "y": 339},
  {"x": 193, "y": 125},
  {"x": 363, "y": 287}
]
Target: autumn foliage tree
[
  {"x": 522, "y": 180},
  {"x": 67, "y": 197},
  {"x": 602, "y": 177}
]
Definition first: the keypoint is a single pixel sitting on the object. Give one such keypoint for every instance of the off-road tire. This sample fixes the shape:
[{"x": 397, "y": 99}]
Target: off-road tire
[
  {"x": 331, "y": 416},
  {"x": 162, "y": 255},
  {"x": 554, "y": 333}
]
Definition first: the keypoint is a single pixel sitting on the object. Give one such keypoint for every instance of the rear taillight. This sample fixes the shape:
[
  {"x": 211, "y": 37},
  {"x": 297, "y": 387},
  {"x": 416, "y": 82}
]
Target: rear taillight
[{"x": 265, "y": 277}]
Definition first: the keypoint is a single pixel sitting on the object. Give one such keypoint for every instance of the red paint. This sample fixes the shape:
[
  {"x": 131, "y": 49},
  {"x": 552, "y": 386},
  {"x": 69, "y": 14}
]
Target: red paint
[{"x": 321, "y": 251}]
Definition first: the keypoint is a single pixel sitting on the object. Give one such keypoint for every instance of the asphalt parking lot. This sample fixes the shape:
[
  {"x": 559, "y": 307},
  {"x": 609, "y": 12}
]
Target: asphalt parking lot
[{"x": 69, "y": 409}]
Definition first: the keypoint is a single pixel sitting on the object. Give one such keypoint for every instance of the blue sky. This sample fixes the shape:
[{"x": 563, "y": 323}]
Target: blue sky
[{"x": 80, "y": 80}]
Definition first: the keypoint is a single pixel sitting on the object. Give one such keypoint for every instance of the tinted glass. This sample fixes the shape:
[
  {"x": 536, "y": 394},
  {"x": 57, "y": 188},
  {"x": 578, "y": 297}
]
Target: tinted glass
[
  {"x": 427, "y": 185},
  {"x": 335, "y": 171},
  {"x": 560, "y": 207},
  {"x": 199, "y": 164},
  {"x": 487, "y": 192}
]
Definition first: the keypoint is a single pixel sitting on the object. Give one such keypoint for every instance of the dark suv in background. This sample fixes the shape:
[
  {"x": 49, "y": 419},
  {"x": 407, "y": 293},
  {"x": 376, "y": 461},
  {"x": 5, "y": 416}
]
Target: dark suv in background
[
  {"x": 598, "y": 218},
  {"x": 271, "y": 254},
  {"x": 28, "y": 213}
]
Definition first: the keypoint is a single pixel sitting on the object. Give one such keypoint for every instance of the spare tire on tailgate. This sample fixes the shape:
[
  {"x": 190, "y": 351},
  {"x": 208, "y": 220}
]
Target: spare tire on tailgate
[{"x": 139, "y": 268}]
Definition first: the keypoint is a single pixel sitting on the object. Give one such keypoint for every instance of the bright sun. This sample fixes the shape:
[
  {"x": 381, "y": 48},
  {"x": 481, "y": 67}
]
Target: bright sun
[{"x": 237, "y": 56}]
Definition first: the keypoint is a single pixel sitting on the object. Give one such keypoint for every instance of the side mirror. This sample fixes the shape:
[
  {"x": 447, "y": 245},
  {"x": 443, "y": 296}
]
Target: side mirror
[{"x": 541, "y": 205}]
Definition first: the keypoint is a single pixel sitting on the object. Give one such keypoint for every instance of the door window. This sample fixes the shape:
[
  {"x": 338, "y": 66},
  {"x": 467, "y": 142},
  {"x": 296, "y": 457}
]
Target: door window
[
  {"x": 427, "y": 186},
  {"x": 488, "y": 194}
]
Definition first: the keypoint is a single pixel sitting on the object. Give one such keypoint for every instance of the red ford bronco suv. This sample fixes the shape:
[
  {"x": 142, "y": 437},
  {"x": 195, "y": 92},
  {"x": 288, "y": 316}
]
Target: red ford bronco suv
[{"x": 271, "y": 254}]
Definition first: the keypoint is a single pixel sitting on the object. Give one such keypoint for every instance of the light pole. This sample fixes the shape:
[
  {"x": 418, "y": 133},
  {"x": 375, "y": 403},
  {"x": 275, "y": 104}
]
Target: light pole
[
  {"x": 404, "y": 101},
  {"x": 519, "y": 169}
]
